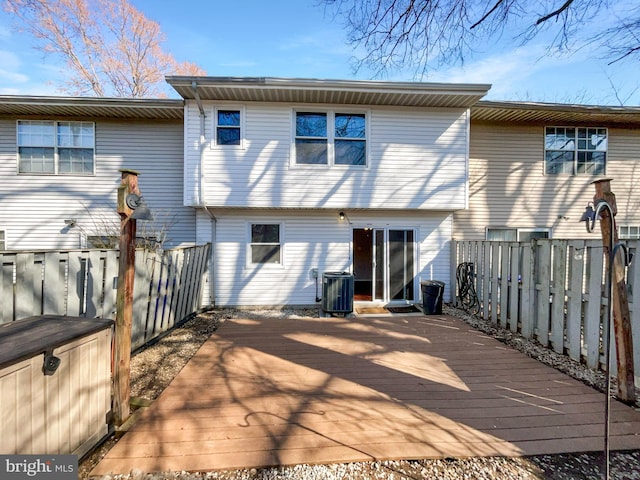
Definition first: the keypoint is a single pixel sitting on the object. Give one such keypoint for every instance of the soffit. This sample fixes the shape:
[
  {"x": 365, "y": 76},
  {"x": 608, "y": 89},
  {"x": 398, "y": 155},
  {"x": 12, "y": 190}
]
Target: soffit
[
  {"x": 557, "y": 114},
  {"x": 91, "y": 107},
  {"x": 336, "y": 92}
]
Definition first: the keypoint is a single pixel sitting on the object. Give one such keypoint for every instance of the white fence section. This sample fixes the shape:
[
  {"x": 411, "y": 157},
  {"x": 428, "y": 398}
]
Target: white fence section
[
  {"x": 552, "y": 291},
  {"x": 168, "y": 286}
]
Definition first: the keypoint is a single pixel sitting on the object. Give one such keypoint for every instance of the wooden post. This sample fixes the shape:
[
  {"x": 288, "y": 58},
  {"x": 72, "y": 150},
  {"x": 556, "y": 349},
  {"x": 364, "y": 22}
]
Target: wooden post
[
  {"x": 124, "y": 299},
  {"x": 621, "y": 315}
]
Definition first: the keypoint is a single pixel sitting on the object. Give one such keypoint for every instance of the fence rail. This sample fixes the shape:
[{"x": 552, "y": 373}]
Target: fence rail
[
  {"x": 552, "y": 291},
  {"x": 168, "y": 286}
]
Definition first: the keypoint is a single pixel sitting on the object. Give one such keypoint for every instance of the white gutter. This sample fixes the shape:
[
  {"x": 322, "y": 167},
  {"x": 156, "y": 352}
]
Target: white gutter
[{"x": 203, "y": 203}]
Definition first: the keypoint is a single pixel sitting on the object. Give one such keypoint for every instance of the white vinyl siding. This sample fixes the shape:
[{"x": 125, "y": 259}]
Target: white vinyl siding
[
  {"x": 417, "y": 159},
  {"x": 33, "y": 208},
  {"x": 508, "y": 186},
  {"x": 313, "y": 240}
]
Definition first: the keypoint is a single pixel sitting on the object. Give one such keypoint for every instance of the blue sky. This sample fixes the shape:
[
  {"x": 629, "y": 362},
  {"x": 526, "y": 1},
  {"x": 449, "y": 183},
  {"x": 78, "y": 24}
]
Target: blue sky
[{"x": 295, "y": 38}]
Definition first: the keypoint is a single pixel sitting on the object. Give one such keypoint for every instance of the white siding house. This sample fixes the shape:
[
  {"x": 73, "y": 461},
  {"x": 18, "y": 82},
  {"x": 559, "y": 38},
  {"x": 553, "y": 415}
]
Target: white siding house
[
  {"x": 293, "y": 178},
  {"x": 60, "y": 161}
]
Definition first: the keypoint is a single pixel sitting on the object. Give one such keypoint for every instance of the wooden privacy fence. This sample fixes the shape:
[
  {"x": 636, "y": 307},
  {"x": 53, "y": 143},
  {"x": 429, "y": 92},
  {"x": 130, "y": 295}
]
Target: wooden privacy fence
[
  {"x": 552, "y": 291},
  {"x": 168, "y": 286}
]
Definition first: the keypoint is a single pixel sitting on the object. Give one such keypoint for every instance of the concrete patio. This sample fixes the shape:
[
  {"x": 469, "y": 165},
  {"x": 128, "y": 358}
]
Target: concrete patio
[{"x": 324, "y": 390}]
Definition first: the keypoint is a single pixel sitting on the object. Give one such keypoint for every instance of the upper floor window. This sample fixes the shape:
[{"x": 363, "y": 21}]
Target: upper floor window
[
  {"x": 328, "y": 138},
  {"x": 629, "y": 232},
  {"x": 575, "y": 150},
  {"x": 350, "y": 143},
  {"x": 228, "y": 130},
  {"x": 50, "y": 147},
  {"x": 3, "y": 245}
]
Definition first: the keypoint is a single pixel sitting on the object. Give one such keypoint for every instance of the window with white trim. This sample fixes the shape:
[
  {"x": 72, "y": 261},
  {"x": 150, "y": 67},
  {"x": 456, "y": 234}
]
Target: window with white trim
[
  {"x": 330, "y": 138},
  {"x": 629, "y": 232},
  {"x": 3, "y": 244},
  {"x": 528, "y": 234},
  {"x": 265, "y": 245},
  {"x": 50, "y": 147},
  {"x": 505, "y": 234},
  {"x": 575, "y": 151},
  {"x": 228, "y": 127}
]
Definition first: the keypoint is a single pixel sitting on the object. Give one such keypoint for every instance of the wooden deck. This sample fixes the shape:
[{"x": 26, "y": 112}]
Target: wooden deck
[{"x": 324, "y": 390}]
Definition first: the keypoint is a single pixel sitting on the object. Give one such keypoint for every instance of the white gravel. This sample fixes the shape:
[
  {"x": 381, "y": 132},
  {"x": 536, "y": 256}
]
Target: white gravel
[{"x": 150, "y": 376}]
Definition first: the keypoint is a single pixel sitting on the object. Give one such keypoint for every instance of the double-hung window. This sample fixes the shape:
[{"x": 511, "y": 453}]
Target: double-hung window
[
  {"x": 349, "y": 141},
  {"x": 49, "y": 147},
  {"x": 3, "y": 243},
  {"x": 330, "y": 138},
  {"x": 265, "y": 246},
  {"x": 228, "y": 127},
  {"x": 574, "y": 150}
]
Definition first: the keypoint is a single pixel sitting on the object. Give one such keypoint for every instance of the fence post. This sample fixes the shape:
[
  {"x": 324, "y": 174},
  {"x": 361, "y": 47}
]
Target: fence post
[
  {"x": 453, "y": 273},
  {"x": 527, "y": 306},
  {"x": 124, "y": 299},
  {"x": 621, "y": 315}
]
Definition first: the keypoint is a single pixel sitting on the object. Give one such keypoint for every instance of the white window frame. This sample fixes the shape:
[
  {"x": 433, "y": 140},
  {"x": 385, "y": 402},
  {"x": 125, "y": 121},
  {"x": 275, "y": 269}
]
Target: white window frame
[
  {"x": 249, "y": 250},
  {"x": 56, "y": 146},
  {"x": 225, "y": 108},
  {"x": 535, "y": 229},
  {"x": 626, "y": 235},
  {"x": 576, "y": 150},
  {"x": 3, "y": 239},
  {"x": 331, "y": 137},
  {"x": 517, "y": 231}
]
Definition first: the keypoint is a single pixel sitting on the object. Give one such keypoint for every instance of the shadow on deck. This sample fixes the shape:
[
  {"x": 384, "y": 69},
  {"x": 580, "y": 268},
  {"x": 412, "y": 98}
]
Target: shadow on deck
[{"x": 326, "y": 390}]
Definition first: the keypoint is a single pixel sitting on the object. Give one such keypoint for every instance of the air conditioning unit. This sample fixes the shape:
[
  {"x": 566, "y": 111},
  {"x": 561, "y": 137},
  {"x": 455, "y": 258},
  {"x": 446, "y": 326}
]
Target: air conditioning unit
[{"x": 337, "y": 292}]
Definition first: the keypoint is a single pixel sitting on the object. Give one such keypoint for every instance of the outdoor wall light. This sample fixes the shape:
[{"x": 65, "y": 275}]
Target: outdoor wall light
[
  {"x": 589, "y": 216},
  {"x": 70, "y": 222},
  {"x": 342, "y": 216}
]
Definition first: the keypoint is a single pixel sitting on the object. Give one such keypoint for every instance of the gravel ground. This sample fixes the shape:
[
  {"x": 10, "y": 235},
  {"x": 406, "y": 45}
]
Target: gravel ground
[{"x": 153, "y": 368}]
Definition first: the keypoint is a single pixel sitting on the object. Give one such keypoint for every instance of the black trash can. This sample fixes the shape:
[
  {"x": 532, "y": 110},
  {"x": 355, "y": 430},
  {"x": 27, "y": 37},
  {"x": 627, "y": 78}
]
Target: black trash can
[{"x": 432, "y": 293}]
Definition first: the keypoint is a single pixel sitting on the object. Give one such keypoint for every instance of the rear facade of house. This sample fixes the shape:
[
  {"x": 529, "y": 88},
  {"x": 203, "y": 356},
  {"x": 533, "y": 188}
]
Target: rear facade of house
[{"x": 295, "y": 178}]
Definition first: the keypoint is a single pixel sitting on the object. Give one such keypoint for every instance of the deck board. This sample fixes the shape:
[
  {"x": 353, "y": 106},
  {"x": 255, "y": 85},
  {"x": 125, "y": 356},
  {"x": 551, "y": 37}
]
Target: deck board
[{"x": 315, "y": 390}]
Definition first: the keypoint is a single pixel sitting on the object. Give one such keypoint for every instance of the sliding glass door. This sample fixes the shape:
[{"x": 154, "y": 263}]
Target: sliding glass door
[{"x": 384, "y": 264}]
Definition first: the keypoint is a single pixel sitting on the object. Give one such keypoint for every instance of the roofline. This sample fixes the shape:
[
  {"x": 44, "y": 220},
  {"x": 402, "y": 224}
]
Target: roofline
[
  {"x": 556, "y": 107},
  {"x": 97, "y": 107},
  {"x": 93, "y": 101},
  {"x": 329, "y": 84}
]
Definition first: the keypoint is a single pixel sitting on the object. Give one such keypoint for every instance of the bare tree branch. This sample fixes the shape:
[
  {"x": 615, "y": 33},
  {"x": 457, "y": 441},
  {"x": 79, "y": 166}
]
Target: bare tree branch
[
  {"x": 555, "y": 13},
  {"x": 422, "y": 35},
  {"x": 486, "y": 15}
]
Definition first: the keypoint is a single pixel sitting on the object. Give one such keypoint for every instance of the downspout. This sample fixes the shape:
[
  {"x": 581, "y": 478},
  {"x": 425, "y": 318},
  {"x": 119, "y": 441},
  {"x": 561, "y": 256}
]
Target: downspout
[{"x": 203, "y": 203}]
